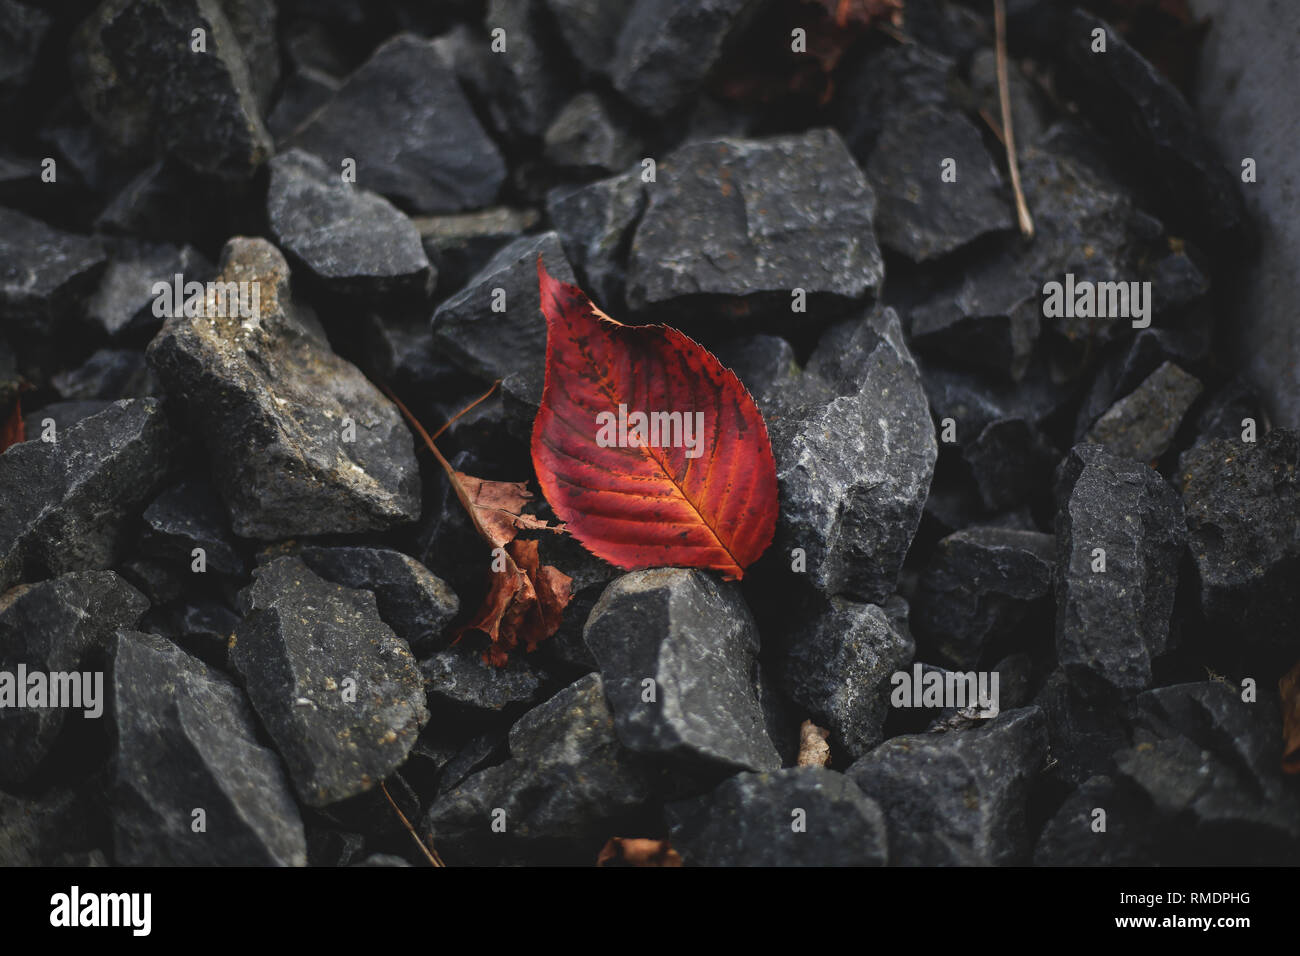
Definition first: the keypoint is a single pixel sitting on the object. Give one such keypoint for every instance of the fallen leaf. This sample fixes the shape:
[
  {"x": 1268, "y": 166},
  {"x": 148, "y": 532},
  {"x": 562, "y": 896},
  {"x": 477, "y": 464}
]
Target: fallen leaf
[
  {"x": 13, "y": 431},
  {"x": 526, "y": 600},
  {"x": 1289, "y": 687},
  {"x": 813, "y": 749},
  {"x": 704, "y": 498},
  {"x": 634, "y": 851}
]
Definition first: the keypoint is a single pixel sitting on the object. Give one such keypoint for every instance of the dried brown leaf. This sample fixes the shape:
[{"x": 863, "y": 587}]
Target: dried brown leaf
[
  {"x": 635, "y": 851},
  {"x": 813, "y": 749}
]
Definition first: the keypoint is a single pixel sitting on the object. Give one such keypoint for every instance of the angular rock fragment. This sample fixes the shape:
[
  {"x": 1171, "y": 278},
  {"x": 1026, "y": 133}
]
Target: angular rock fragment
[
  {"x": 527, "y": 80},
  {"x": 107, "y": 376},
  {"x": 590, "y": 28},
  {"x": 1087, "y": 723},
  {"x": 1208, "y": 763},
  {"x": 59, "y": 629},
  {"x": 1135, "y": 102},
  {"x": 584, "y": 138},
  {"x": 749, "y": 820},
  {"x": 677, "y": 657},
  {"x": 57, "y": 417},
  {"x": 415, "y": 139},
  {"x": 958, "y": 798},
  {"x": 460, "y": 245},
  {"x": 123, "y": 303},
  {"x": 1119, "y": 515},
  {"x": 1010, "y": 462},
  {"x": 41, "y": 830},
  {"x": 300, "y": 441},
  {"x": 595, "y": 223},
  {"x": 509, "y": 343},
  {"x": 338, "y": 691},
  {"x": 855, "y": 469},
  {"x": 737, "y": 217},
  {"x": 980, "y": 586},
  {"x": 920, "y": 214},
  {"x": 187, "y": 516},
  {"x": 352, "y": 239},
  {"x": 1243, "y": 520},
  {"x": 186, "y": 741},
  {"x": 306, "y": 90},
  {"x": 45, "y": 273},
  {"x": 69, "y": 503},
  {"x": 839, "y": 668},
  {"x": 667, "y": 48},
  {"x": 138, "y": 77},
  {"x": 1142, "y": 425},
  {"x": 458, "y": 677},
  {"x": 412, "y": 600},
  {"x": 566, "y": 786},
  {"x": 1072, "y": 836}
]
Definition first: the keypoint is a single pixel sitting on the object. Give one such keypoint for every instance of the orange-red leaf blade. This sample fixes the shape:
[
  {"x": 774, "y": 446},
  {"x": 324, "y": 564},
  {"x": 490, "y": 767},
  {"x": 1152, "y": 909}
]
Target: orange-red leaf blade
[{"x": 709, "y": 504}]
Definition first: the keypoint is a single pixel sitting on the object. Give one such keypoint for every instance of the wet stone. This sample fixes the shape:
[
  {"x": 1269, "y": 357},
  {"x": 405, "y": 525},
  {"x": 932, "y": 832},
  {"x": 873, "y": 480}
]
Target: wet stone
[{"x": 1142, "y": 425}]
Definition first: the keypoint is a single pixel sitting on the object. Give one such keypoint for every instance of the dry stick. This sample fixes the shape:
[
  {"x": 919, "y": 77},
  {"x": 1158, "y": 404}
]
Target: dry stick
[
  {"x": 478, "y": 401},
  {"x": 431, "y": 855},
  {"x": 1004, "y": 95}
]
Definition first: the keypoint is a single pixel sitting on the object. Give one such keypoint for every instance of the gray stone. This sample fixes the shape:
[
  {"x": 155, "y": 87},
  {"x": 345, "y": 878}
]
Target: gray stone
[
  {"x": 301, "y": 640},
  {"x": 695, "y": 639},
  {"x": 738, "y": 217},
  {"x": 270, "y": 399},
  {"x": 402, "y": 116},
  {"x": 1069, "y": 839},
  {"x": 22, "y": 29},
  {"x": 1115, "y": 623},
  {"x": 595, "y": 223},
  {"x": 667, "y": 48},
  {"x": 186, "y": 516},
  {"x": 352, "y": 239},
  {"x": 305, "y": 91},
  {"x": 919, "y": 214},
  {"x": 39, "y": 830},
  {"x": 567, "y": 785},
  {"x": 1087, "y": 722},
  {"x": 1010, "y": 462},
  {"x": 839, "y": 667},
  {"x": 585, "y": 138},
  {"x": 1243, "y": 520},
  {"x": 748, "y": 821},
  {"x": 107, "y": 376},
  {"x": 1256, "y": 108},
  {"x": 979, "y": 586},
  {"x": 509, "y": 345},
  {"x": 458, "y": 677},
  {"x": 45, "y": 274},
  {"x": 461, "y": 244},
  {"x": 69, "y": 504},
  {"x": 590, "y": 28},
  {"x": 1208, "y": 763},
  {"x": 1142, "y": 425},
  {"x": 123, "y": 303},
  {"x": 527, "y": 78},
  {"x": 63, "y": 625},
  {"x": 146, "y": 90},
  {"x": 417, "y": 604},
  {"x": 186, "y": 740},
  {"x": 958, "y": 798},
  {"x": 854, "y": 471}
]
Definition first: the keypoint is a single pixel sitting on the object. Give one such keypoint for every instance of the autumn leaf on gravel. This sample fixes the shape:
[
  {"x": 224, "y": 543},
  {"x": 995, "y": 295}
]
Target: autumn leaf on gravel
[
  {"x": 691, "y": 483},
  {"x": 1289, "y": 687},
  {"x": 526, "y": 600},
  {"x": 631, "y": 851}
]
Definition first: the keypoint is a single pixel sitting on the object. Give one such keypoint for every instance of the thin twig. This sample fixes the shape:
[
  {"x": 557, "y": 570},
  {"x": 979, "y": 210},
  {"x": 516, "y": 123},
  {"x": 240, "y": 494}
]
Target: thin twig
[
  {"x": 993, "y": 125},
  {"x": 430, "y": 854},
  {"x": 478, "y": 401},
  {"x": 1009, "y": 137}
]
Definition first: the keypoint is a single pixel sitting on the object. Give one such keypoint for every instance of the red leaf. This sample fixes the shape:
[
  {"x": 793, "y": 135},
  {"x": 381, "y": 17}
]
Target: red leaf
[
  {"x": 13, "y": 432},
  {"x": 647, "y": 505}
]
